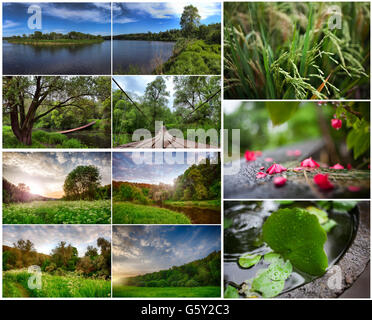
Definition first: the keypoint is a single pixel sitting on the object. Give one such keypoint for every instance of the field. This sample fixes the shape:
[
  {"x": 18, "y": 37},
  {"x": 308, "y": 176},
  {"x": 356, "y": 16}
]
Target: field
[
  {"x": 210, "y": 204},
  {"x": 58, "y": 212},
  {"x": 131, "y": 291},
  {"x": 73, "y": 286},
  {"x": 129, "y": 213}
]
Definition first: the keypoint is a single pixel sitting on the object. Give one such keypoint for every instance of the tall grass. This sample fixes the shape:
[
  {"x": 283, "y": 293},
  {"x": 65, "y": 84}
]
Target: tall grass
[{"x": 287, "y": 50}]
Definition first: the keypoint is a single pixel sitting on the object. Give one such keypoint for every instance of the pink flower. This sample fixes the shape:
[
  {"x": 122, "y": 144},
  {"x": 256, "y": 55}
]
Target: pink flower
[
  {"x": 297, "y": 169},
  {"x": 250, "y": 155},
  {"x": 353, "y": 188},
  {"x": 262, "y": 168},
  {"x": 337, "y": 167},
  {"x": 276, "y": 168},
  {"x": 258, "y": 153},
  {"x": 279, "y": 181},
  {"x": 309, "y": 163},
  {"x": 269, "y": 159},
  {"x": 349, "y": 167},
  {"x": 260, "y": 175},
  {"x": 336, "y": 123},
  {"x": 322, "y": 181}
]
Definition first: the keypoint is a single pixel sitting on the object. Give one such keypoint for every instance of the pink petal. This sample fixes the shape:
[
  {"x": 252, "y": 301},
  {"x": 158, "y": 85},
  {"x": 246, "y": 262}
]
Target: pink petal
[
  {"x": 298, "y": 169},
  {"x": 276, "y": 168},
  {"x": 321, "y": 180},
  {"x": 337, "y": 167},
  {"x": 309, "y": 163},
  {"x": 349, "y": 167},
  {"x": 260, "y": 175},
  {"x": 297, "y": 153},
  {"x": 258, "y": 153},
  {"x": 262, "y": 168},
  {"x": 269, "y": 159},
  {"x": 279, "y": 181},
  {"x": 250, "y": 155},
  {"x": 354, "y": 188}
]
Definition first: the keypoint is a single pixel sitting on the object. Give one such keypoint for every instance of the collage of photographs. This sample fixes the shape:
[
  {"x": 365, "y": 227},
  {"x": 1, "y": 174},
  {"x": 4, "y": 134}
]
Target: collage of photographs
[{"x": 185, "y": 149}]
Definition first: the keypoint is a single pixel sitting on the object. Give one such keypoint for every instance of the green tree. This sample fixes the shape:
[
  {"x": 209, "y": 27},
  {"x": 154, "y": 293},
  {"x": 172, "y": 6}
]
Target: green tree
[{"x": 190, "y": 20}]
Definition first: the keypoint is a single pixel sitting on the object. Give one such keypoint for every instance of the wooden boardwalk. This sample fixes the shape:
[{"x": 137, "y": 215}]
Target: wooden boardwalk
[
  {"x": 164, "y": 140},
  {"x": 79, "y": 128}
]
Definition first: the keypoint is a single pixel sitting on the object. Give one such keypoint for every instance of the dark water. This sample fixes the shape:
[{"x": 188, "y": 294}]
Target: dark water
[
  {"x": 93, "y": 139},
  {"x": 197, "y": 215},
  {"x": 59, "y": 59},
  {"x": 242, "y": 237},
  {"x": 143, "y": 56}
]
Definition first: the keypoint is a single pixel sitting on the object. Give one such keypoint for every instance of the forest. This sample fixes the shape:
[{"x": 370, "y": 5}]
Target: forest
[
  {"x": 201, "y": 275},
  {"x": 196, "y": 105},
  {"x": 56, "y": 112},
  {"x": 193, "y": 198},
  {"x": 73, "y": 37},
  {"x": 64, "y": 272}
]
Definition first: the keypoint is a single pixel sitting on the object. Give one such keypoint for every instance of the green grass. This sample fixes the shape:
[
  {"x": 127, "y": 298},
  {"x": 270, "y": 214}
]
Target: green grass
[
  {"x": 178, "y": 292},
  {"x": 58, "y": 212},
  {"x": 283, "y": 50},
  {"x": 210, "y": 204},
  {"x": 41, "y": 139},
  {"x": 130, "y": 213},
  {"x": 73, "y": 286}
]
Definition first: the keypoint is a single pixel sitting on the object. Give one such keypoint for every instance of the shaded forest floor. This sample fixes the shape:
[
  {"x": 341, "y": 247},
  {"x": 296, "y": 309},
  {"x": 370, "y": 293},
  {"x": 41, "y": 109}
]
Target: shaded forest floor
[
  {"x": 131, "y": 291},
  {"x": 58, "y": 212}
]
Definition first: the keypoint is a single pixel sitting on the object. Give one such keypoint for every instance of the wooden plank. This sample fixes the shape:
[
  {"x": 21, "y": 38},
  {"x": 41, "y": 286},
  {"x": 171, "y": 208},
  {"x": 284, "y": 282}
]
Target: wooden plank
[{"x": 79, "y": 128}]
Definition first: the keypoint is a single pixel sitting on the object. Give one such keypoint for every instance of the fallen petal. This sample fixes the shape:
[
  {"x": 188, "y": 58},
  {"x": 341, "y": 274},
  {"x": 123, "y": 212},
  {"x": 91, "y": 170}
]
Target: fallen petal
[
  {"x": 321, "y": 180},
  {"x": 354, "y": 188},
  {"x": 279, "y": 181},
  {"x": 275, "y": 168},
  {"x": 337, "y": 167},
  {"x": 260, "y": 175},
  {"x": 250, "y": 155},
  {"x": 309, "y": 163},
  {"x": 269, "y": 159},
  {"x": 349, "y": 167}
]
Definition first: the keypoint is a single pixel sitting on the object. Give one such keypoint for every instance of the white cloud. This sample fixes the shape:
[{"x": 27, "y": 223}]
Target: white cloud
[
  {"x": 10, "y": 24},
  {"x": 123, "y": 20}
]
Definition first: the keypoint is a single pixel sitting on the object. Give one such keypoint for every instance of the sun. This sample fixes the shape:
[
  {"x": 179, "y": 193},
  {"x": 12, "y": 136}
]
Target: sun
[{"x": 35, "y": 188}]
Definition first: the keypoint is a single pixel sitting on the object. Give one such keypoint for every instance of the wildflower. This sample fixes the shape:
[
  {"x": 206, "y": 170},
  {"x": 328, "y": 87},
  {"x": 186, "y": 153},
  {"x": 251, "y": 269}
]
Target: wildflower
[
  {"x": 260, "y": 175},
  {"x": 321, "y": 180},
  {"x": 337, "y": 167},
  {"x": 309, "y": 163},
  {"x": 336, "y": 123},
  {"x": 250, "y": 155},
  {"x": 276, "y": 168},
  {"x": 279, "y": 181},
  {"x": 353, "y": 188}
]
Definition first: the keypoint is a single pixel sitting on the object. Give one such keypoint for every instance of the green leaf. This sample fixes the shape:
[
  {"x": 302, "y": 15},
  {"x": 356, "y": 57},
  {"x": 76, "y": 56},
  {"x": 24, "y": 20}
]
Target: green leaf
[
  {"x": 227, "y": 223},
  {"x": 297, "y": 236},
  {"x": 285, "y": 202},
  {"x": 231, "y": 292},
  {"x": 344, "y": 206},
  {"x": 281, "y": 112},
  {"x": 266, "y": 286},
  {"x": 328, "y": 226},
  {"x": 320, "y": 214},
  {"x": 280, "y": 270},
  {"x": 248, "y": 260}
]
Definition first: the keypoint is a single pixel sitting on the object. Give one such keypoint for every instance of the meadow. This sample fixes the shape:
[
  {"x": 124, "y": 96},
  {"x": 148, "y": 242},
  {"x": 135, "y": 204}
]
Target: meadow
[
  {"x": 53, "y": 286},
  {"x": 210, "y": 204},
  {"x": 180, "y": 292},
  {"x": 130, "y": 213},
  {"x": 58, "y": 212}
]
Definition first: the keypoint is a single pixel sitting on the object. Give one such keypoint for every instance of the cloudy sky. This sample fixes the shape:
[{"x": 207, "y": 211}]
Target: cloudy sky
[
  {"x": 90, "y": 17},
  {"x": 45, "y": 238},
  {"x": 45, "y": 172},
  {"x": 136, "y": 85},
  {"x": 144, "y": 249},
  {"x": 153, "y": 167},
  {"x": 156, "y": 16}
]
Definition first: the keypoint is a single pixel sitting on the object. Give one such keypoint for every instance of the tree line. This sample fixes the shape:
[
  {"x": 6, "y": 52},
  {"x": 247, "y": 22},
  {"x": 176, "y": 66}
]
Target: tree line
[
  {"x": 203, "y": 272},
  {"x": 96, "y": 261},
  {"x": 72, "y": 35}
]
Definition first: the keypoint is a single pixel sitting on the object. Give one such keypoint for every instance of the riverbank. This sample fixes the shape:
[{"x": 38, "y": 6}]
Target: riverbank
[{"x": 54, "y": 42}]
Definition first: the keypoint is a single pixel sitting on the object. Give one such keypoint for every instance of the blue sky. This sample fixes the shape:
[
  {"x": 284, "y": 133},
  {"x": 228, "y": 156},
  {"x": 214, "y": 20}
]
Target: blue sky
[
  {"x": 144, "y": 249},
  {"x": 93, "y": 18},
  {"x": 45, "y": 238},
  {"x": 45, "y": 172},
  {"x": 157, "y": 16},
  {"x": 147, "y": 168}
]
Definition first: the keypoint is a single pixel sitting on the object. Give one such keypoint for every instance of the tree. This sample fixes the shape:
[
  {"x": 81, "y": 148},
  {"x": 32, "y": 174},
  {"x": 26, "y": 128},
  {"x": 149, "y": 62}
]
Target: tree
[
  {"x": 28, "y": 99},
  {"x": 65, "y": 256},
  {"x": 91, "y": 252},
  {"x": 190, "y": 20},
  {"x": 82, "y": 183}
]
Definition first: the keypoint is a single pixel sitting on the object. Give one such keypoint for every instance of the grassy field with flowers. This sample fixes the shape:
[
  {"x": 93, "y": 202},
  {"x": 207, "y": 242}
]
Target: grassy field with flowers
[
  {"x": 58, "y": 212},
  {"x": 15, "y": 284}
]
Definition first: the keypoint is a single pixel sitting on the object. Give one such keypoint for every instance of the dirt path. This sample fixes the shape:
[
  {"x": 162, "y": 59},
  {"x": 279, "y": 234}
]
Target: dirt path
[{"x": 22, "y": 290}]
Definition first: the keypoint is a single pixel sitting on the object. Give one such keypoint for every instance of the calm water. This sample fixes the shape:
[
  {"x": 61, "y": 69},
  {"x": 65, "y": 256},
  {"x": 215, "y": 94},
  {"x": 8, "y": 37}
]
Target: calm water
[
  {"x": 242, "y": 237},
  {"x": 69, "y": 59},
  {"x": 142, "y": 56}
]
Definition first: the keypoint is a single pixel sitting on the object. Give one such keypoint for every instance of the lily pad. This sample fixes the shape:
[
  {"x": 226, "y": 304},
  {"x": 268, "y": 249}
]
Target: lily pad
[
  {"x": 328, "y": 226},
  {"x": 297, "y": 236},
  {"x": 320, "y": 214},
  {"x": 280, "y": 270},
  {"x": 248, "y": 260},
  {"x": 231, "y": 292},
  {"x": 266, "y": 286}
]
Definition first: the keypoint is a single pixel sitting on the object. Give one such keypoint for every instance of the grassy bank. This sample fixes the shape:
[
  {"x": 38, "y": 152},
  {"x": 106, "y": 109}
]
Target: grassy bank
[
  {"x": 54, "y": 42},
  {"x": 193, "y": 57},
  {"x": 131, "y": 291},
  {"x": 71, "y": 285},
  {"x": 129, "y": 213},
  {"x": 41, "y": 139},
  {"x": 58, "y": 212},
  {"x": 210, "y": 204}
]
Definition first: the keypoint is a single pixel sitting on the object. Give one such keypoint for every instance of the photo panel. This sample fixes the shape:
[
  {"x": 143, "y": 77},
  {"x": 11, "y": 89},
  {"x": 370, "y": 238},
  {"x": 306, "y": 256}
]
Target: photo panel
[
  {"x": 56, "y": 188},
  {"x": 166, "y": 112},
  {"x": 166, "y": 261},
  {"x": 54, "y": 38},
  {"x": 56, "y": 261},
  {"x": 296, "y": 249},
  {"x": 166, "y": 188}
]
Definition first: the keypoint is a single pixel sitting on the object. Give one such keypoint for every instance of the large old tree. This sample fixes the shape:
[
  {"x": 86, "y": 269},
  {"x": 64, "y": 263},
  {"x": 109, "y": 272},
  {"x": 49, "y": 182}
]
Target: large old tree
[{"x": 28, "y": 99}]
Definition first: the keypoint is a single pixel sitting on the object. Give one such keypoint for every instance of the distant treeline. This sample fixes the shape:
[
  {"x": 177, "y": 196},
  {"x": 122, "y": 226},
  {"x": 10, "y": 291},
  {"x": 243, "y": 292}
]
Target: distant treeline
[
  {"x": 203, "y": 272},
  {"x": 96, "y": 261},
  {"x": 209, "y": 33},
  {"x": 73, "y": 35},
  {"x": 199, "y": 182},
  {"x": 20, "y": 193}
]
